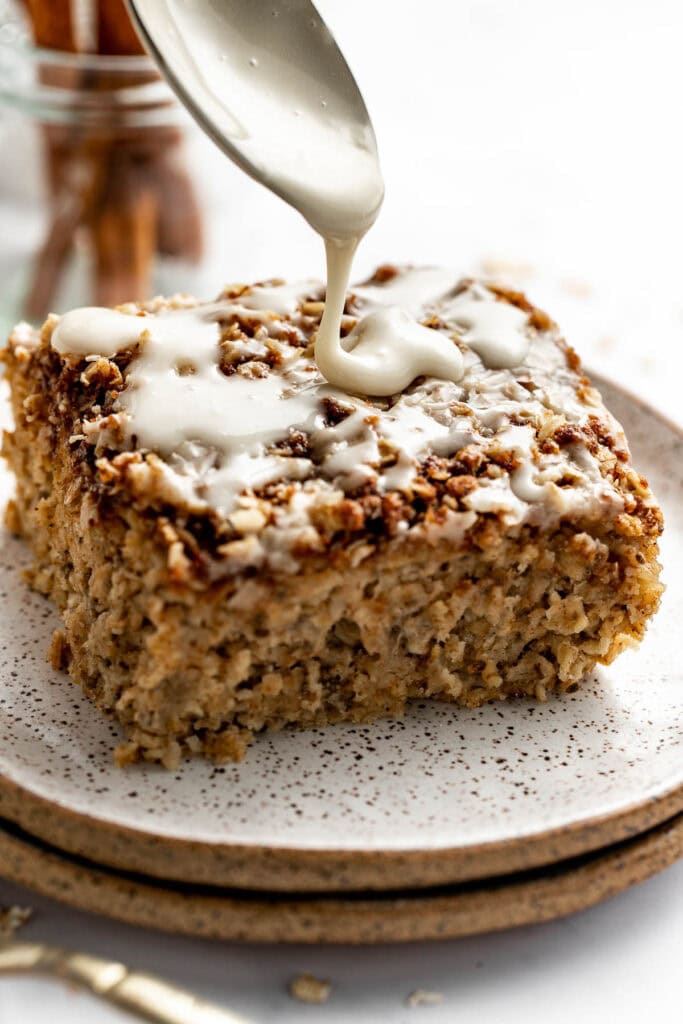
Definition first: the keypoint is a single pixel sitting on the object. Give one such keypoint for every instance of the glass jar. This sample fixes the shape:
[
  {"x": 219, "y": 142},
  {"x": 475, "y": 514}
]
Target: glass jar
[{"x": 103, "y": 183}]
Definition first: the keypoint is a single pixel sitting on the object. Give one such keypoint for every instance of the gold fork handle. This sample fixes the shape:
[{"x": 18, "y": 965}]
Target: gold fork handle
[
  {"x": 158, "y": 1001},
  {"x": 143, "y": 994}
]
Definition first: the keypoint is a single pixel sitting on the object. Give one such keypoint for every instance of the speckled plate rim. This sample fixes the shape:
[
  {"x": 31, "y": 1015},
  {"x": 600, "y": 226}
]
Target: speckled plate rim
[
  {"x": 446, "y": 913},
  {"x": 290, "y": 868}
]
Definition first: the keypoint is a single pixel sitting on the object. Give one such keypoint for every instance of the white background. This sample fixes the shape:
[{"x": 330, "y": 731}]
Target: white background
[{"x": 545, "y": 136}]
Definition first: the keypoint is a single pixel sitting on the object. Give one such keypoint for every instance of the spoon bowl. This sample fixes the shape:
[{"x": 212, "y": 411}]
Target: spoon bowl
[{"x": 269, "y": 84}]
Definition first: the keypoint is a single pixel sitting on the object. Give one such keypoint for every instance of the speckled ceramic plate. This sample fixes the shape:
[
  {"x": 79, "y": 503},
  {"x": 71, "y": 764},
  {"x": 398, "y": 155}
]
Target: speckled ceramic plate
[
  {"x": 447, "y": 912},
  {"x": 439, "y": 797}
]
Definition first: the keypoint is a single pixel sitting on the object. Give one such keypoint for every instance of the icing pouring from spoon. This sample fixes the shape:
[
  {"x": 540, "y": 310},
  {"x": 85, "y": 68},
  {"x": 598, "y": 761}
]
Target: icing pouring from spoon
[{"x": 270, "y": 86}]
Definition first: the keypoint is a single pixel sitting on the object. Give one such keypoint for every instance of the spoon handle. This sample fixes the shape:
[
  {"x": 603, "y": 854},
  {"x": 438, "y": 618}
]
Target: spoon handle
[{"x": 135, "y": 991}]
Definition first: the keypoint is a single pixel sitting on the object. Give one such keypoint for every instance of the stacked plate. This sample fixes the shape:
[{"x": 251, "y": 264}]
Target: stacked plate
[{"x": 447, "y": 823}]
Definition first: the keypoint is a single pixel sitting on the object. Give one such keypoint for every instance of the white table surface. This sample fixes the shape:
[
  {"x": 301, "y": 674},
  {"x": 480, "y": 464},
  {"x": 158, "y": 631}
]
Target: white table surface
[{"x": 546, "y": 137}]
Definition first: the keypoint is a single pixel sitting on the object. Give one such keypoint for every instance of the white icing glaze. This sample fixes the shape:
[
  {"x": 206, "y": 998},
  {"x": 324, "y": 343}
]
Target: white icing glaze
[
  {"x": 218, "y": 434},
  {"x": 177, "y": 393},
  {"x": 416, "y": 290},
  {"x": 386, "y": 350},
  {"x": 93, "y": 330},
  {"x": 496, "y": 330},
  {"x": 279, "y": 299},
  {"x": 520, "y": 441}
]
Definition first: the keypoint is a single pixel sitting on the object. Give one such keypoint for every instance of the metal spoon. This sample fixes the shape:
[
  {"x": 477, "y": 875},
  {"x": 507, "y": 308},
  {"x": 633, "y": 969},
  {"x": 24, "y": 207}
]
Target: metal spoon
[{"x": 268, "y": 83}]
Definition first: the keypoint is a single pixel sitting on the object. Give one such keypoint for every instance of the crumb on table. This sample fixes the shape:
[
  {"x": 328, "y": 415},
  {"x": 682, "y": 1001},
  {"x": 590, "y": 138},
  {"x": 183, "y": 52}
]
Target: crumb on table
[
  {"x": 421, "y": 997},
  {"x": 308, "y": 989}
]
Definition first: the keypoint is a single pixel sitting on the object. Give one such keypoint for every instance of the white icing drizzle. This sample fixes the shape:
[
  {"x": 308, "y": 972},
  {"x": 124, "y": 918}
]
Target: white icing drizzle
[
  {"x": 218, "y": 434},
  {"x": 176, "y": 392},
  {"x": 496, "y": 330},
  {"x": 96, "y": 331},
  {"x": 281, "y": 299},
  {"x": 386, "y": 350},
  {"x": 520, "y": 441},
  {"x": 416, "y": 291}
]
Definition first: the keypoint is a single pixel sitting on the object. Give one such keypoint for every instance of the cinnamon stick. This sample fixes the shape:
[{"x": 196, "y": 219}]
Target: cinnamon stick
[
  {"x": 179, "y": 229},
  {"x": 125, "y": 193},
  {"x": 124, "y": 235},
  {"x": 68, "y": 214},
  {"x": 179, "y": 232},
  {"x": 53, "y": 24},
  {"x": 53, "y": 28},
  {"x": 115, "y": 31}
]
